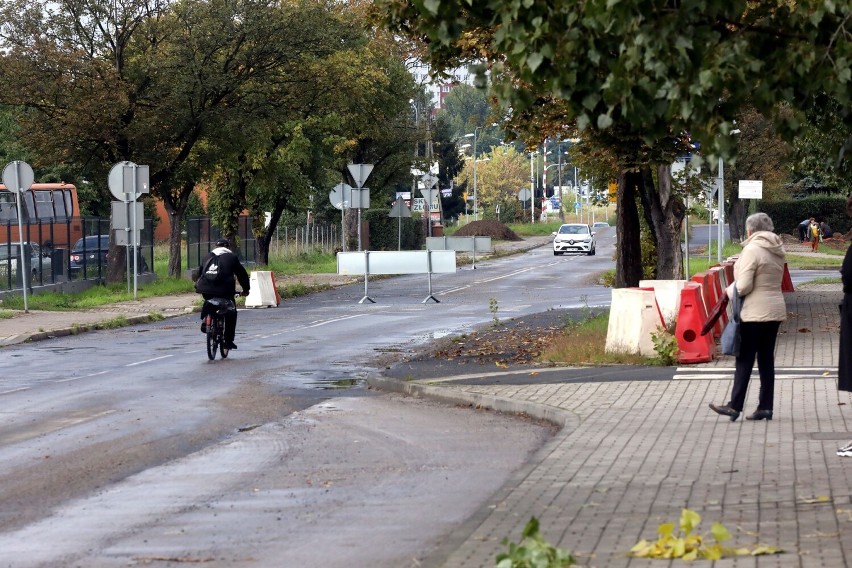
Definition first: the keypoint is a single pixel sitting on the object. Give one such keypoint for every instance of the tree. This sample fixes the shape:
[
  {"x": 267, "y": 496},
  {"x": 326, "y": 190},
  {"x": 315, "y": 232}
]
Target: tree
[
  {"x": 499, "y": 176},
  {"x": 145, "y": 81},
  {"x": 602, "y": 65}
]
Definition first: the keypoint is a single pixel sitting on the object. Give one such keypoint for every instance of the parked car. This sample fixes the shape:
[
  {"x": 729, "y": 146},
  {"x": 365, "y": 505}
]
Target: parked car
[
  {"x": 40, "y": 265},
  {"x": 574, "y": 237},
  {"x": 92, "y": 252},
  {"x": 89, "y": 253}
]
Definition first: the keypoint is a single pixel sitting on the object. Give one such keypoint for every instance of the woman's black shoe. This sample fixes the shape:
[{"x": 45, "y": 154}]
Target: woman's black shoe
[
  {"x": 760, "y": 415},
  {"x": 726, "y": 411}
]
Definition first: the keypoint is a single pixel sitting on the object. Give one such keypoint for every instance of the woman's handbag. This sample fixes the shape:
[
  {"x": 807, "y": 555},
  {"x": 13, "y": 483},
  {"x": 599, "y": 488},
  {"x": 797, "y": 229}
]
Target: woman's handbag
[{"x": 731, "y": 338}]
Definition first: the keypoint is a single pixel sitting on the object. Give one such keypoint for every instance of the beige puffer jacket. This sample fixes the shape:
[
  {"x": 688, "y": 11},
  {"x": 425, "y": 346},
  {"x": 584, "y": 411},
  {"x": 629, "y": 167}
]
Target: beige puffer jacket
[{"x": 758, "y": 273}]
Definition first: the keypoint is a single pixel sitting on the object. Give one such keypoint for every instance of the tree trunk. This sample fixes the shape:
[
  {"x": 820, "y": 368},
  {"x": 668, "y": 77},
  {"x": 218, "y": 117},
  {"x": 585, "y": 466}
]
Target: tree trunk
[
  {"x": 175, "y": 222},
  {"x": 664, "y": 212},
  {"x": 628, "y": 262},
  {"x": 736, "y": 218}
]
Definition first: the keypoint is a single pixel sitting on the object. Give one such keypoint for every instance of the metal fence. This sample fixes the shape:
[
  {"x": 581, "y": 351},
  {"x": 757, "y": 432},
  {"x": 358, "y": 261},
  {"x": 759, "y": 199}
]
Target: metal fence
[
  {"x": 62, "y": 251},
  {"x": 306, "y": 238},
  {"x": 201, "y": 236}
]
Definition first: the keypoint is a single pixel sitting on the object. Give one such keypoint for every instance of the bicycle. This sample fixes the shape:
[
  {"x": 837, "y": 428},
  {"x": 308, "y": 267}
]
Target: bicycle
[{"x": 215, "y": 322}]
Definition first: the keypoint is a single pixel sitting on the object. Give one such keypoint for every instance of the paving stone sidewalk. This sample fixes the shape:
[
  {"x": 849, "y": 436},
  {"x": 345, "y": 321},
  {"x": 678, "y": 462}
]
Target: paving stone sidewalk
[{"x": 632, "y": 454}]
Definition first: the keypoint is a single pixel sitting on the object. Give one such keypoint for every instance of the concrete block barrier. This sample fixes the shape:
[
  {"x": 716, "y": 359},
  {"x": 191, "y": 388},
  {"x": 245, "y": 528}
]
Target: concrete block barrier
[
  {"x": 262, "y": 292},
  {"x": 667, "y": 293},
  {"x": 633, "y": 317}
]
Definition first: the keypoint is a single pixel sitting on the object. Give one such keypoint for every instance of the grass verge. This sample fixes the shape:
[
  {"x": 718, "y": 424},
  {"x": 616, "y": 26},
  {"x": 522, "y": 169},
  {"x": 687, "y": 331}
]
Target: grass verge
[
  {"x": 813, "y": 263},
  {"x": 584, "y": 342}
]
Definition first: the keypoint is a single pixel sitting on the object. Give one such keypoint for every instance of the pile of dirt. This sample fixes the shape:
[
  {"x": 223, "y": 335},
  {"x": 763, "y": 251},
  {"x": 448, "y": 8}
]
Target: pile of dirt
[{"x": 494, "y": 229}]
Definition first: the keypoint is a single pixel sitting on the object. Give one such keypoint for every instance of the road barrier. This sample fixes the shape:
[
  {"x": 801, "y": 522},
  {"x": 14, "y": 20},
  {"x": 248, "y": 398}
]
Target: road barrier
[
  {"x": 365, "y": 263},
  {"x": 262, "y": 292},
  {"x": 667, "y": 293},
  {"x": 786, "y": 281},
  {"x": 633, "y": 317},
  {"x": 692, "y": 315},
  {"x": 460, "y": 244},
  {"x": 710, "y": 295}
]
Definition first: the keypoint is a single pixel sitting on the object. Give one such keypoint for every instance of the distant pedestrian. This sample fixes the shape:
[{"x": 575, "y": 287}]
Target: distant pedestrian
[
  {"x": 803, "y": 230},
  {"x": 815, "y": 235},
  {"x": 826, "y": 230},
  {"x": 757, "y": 276},
  {"x": 844, "y": 367}
]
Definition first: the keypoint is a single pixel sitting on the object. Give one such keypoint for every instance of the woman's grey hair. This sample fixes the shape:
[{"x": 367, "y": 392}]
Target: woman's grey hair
[{"x": 759, "y": 222}]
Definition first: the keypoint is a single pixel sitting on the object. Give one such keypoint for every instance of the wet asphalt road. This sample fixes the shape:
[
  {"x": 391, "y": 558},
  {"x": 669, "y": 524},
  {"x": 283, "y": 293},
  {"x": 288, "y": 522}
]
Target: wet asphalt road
[{"x": 128, "y": 446}]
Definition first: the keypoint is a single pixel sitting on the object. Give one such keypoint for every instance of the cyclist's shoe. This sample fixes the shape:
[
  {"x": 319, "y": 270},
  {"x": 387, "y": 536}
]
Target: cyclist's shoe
[
  {"x": 230, "y": 345},
  {"x": 204, "y": 327}
]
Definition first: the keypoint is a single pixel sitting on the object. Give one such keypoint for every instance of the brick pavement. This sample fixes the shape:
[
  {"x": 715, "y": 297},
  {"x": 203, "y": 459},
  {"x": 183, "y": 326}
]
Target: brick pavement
[{"x": 632, "y": 454}]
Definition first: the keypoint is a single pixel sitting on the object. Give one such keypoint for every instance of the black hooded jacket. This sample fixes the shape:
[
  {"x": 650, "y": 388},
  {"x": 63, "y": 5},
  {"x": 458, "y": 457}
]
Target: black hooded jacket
[{"x": 229, "y": 267}]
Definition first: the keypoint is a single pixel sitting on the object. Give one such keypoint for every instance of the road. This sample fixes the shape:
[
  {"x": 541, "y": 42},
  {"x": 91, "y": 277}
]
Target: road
[{"x": 127, "y": 446}]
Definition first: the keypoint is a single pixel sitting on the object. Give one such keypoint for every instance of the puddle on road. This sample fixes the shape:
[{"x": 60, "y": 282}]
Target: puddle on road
[{"x": 335, "y": 384}]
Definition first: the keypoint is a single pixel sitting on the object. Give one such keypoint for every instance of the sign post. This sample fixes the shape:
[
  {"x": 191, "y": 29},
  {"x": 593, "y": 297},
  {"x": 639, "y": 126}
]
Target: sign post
[
  {"x": 127, "y": 181},
  {"x": 341, "y": 198},
  {"x": 18, "y": 176},
  {"x": 399, "y": 210},
  {"x": 360, "y": 173}
]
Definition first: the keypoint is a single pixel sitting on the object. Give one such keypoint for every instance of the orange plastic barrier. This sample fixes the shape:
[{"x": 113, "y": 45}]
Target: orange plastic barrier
[
  {"x": 786, "y": 281},
  {"x": 721, "y": 282},
  {"x": 694, "y": 347},
  {"x": 710, "y": 294},
  {"x": 729, "y": 270}
]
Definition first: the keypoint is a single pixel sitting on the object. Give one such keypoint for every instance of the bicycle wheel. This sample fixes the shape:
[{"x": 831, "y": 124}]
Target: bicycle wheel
[
  {"x": 212, "y": 342},
  {"x": 220, "y": 334}
]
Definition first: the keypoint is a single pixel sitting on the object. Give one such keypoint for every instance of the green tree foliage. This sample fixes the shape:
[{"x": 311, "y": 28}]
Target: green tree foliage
[
  {"x": 601, "y": 67},
  {"x": 499, "y": 175}
]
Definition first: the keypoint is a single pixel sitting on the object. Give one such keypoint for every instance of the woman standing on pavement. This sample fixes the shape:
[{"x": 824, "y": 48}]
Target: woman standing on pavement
[
  {"x": 844, "y": 367},
  {"x": 757, "y": 275}
]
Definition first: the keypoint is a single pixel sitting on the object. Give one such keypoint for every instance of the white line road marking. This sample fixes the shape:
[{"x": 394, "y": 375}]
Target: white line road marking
[
  {"x": 148, "y": 361},
  {"x": 19, "y": 389}
]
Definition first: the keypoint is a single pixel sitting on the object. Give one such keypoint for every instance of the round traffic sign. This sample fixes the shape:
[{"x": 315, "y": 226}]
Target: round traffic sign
[
  {"x": 18, "y": 176},
  {"x": 340, "y": 195},
  {"x": 116, "y": 180}
]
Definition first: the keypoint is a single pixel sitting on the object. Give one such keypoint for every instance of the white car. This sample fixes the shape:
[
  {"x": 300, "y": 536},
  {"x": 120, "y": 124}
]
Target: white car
[{"x": 574, "y": 237}]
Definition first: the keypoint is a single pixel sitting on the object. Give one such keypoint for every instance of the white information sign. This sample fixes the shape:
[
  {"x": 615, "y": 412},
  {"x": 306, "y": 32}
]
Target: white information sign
[{"x": 751, "y": 189}]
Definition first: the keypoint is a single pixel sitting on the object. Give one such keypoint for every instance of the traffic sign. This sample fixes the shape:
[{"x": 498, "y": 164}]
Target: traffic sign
[
  {"x": 18, "y": 176},
  {"x": 126, "y": 178},
  {"x": 341, "y": 196},
  {"x": 577, "y": 206},
  {"x": 524, "y": 194},
  {"x": 399, "y": 209},
  {"x": 429, "y": 181},
  {"x": 360, "y": 173}
]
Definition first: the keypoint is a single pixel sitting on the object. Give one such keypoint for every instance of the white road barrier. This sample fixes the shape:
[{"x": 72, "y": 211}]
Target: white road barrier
[
  {"x": 667, "y": 293},
  {"x": 262, "y": 292},
  {"x": 633, "y": 317},
  {"x": 396, "y": 262}
]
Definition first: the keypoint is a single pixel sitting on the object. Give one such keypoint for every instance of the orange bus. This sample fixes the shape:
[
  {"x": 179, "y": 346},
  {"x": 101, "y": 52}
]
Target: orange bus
[{"x": 50, "y": 212}]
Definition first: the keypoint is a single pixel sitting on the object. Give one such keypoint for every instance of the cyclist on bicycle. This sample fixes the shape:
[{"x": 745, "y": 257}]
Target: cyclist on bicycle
[{"x": 216, "y": 280}]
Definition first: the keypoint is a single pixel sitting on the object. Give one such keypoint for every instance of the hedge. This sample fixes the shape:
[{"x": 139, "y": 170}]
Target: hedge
[
  {"x": 385, "y": 234},
  {"x": 786, "y": 215}
]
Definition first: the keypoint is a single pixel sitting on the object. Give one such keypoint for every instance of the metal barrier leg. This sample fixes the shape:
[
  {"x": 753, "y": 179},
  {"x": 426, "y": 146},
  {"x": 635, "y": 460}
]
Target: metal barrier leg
[
  {"x": 429, "y": 270},
  {"x": 366, "y": 297}
]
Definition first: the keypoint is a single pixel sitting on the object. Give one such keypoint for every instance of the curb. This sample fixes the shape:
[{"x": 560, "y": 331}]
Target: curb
[
  {"x": 66, "y": 331},
  {"x": 553, "y": 415}
]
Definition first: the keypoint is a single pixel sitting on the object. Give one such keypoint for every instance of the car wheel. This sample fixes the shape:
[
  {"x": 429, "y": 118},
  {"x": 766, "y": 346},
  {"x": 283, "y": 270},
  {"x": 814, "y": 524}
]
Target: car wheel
[{"x": 591, "y": 252}]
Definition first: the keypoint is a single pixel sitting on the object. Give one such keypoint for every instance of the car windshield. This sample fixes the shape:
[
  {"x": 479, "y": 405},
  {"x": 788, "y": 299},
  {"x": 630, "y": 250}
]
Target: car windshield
[
  {"x": 573, "y": 230},
  {"x": 92, "y": 243}
]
